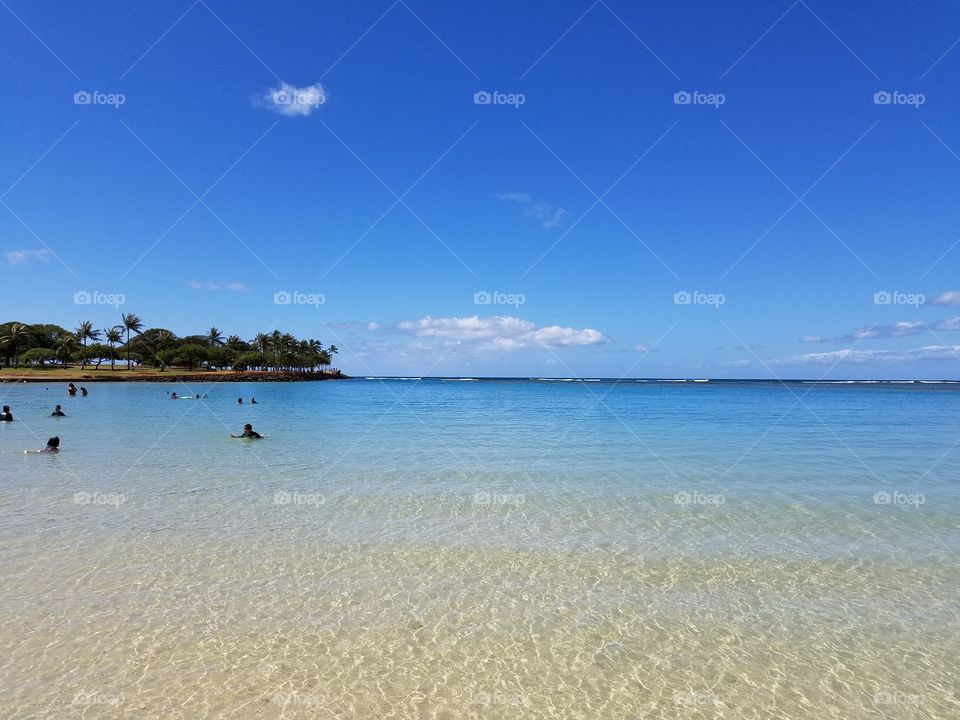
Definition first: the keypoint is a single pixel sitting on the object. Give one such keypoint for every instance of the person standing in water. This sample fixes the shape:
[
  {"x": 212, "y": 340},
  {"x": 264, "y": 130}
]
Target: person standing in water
[
  {"x": 248, "y": 432},
  {"x": 6, "y": 416},
  {"x": 239, "y": 401},
  {"x": 71, "y": 390},
  {"x": 83, "y": 391},
  {"x": 57, "y": 412}
]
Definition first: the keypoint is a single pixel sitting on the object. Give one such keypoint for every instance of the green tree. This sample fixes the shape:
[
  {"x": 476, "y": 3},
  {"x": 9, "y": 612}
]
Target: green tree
[
  {"x": 113, "y": 335},
  {"x": 131, "y": 322},
  {"x": 214, "y": 337},
  {"x": 85, "y": 331},
  {"x": 15, "y": 338}
]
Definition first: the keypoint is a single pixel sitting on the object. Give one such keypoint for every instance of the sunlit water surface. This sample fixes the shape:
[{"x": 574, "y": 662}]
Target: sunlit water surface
[{"x": 404, "y": 549}]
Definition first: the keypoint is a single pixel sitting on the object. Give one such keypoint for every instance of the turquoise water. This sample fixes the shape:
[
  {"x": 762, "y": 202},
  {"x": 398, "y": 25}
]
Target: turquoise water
[{"x": 435, "y": 548}]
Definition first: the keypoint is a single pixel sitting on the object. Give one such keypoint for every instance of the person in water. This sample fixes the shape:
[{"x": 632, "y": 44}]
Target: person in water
[
  {"x": 248, "y": 432},
  {"x": 83, "y": 391},
  {"x": 173, "y": 396},
  {"x": 239, "y": 401},
  {"x": 253, "y": 401},
  {"x": 71, "y": 390},
  {"x": 5, "y": 416},
  {"x": 57, "y": 412},
  {"x": 53, "y": 446}
]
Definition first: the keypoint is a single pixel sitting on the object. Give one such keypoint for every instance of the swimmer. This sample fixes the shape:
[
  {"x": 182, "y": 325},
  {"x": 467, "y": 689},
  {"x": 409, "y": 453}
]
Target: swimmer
[
  {"x": 83, "y": 391},
  {"x": 57, "y": 412},
  {"x": 53, "y": 446},
  {"x": 71, "y": 390},
  {"x": 239, "y": 401},
  {"x": 248, "y": 432},
  {"x": 253, "y": 401},
  {"x": 173, "y": 396},
  {"x": 5, "y": 416}
]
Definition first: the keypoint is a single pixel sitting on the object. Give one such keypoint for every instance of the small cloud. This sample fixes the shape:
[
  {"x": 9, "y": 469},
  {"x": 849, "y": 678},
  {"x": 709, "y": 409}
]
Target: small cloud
[
  {"x": 520, "y": 197},
  {"x": 19, "y": 257},
  {"x": 748, "y": 348},
  {"x": 547, "y": 215},
  {"x": 859, "y": 357},
  {"x": 501, "y": 332},
  {"x": 950, "y": 324},
  {"x": 813, "y": 339},
  {"x": 879, "y": 332},
  {"x": 950, "y": 298},
  {"x": 293, "y": 101},
  {"x": 373, "y": 326},
  {"x": 212, "y": 285}
]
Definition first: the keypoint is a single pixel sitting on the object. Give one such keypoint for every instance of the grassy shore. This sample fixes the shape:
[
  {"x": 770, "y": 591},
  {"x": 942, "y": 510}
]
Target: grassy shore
[{"x": 121, "y": 374}]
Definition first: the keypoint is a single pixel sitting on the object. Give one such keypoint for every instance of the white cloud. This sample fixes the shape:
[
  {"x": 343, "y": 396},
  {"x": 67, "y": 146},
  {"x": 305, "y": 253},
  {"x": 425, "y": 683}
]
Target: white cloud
[
  {"x": 373, "y": 326},
  {"x": 927, "y": 352},
  {"x": 293, "y": 101},
  {"x": 877, "y": 332},
  {"x": 949, "y": 324},
  {"x": 950, "y": 297},
  {"x": 547, "y": 215},
  {"x": 813, "y": 339},
  {"x": 501, "y": 332},
  {"x": 212, "y": 285},
  {"x": 18, "y": 257}
]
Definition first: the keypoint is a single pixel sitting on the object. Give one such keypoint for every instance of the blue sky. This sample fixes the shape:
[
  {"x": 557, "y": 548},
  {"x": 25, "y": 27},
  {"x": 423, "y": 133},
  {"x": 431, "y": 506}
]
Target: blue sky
[{"x": 340, "y": 152}]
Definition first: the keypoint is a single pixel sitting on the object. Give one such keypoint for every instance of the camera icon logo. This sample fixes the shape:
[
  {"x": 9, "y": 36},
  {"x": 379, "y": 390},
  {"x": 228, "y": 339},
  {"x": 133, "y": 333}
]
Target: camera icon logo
[
  {"x": 282, "y": 498},
  {"x": 482, "y": 97},
  {"x": 882, "y": 97},
  {"x": 81, "y": 498},
  {"x": 82, "y": 297},
  {"x": 682, "y": 498},
  {"x": 481, "y": 498},
  {"x": 882, "y": 297},
  {"x": 482, "y": 298},
  {"x": 682, "y": 97},
  {"x": 682, "y": 297},
  {"x": 82, "y": 97},
  {"x": 882, "y": 498},
  {"x": 282, "y": 297}
]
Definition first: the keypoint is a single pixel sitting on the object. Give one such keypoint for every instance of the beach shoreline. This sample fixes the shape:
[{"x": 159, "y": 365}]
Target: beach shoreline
[{"x": 124, "y": 375}]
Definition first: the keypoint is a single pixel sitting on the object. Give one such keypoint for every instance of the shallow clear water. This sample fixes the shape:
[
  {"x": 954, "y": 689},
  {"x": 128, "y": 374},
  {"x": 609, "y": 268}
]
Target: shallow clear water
[{"x": 400, "y": 549}]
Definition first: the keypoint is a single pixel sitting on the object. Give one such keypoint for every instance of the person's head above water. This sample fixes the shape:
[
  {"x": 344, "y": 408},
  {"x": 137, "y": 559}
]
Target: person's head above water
[
  {"x": 53, "y": 443},
  {"x": 239, "y": 401},
  {"x": 247, "y": 427}
]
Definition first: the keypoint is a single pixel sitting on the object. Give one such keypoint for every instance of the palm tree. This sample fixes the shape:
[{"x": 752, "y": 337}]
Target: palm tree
[
  {"x": 262, "y": 342},
  {"x": 113, "y": 335},
  {"x": 85, "y": 332},
  {"x": 276, "y": 340},
  {"x": 131, "y": 322},
  {"x": 65, "y": 347},
  {"x": 17, "y": 334},
  {"x": 214, "y": 337}
]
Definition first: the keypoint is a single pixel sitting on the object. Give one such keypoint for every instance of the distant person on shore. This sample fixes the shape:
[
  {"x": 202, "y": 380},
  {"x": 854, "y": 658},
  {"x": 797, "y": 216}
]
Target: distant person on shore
[
  {"x": 248, "y": 432},
  {"x": 5, "y": 416},
  {"x": 239, "y": 401},
  {"x": 83, "y": 391},
  {"x": 57, "y": 412},
  {"x": 253, "y": 401},
  {"x": 71, "y": 390},
  {"x": 53, "y": 446}
]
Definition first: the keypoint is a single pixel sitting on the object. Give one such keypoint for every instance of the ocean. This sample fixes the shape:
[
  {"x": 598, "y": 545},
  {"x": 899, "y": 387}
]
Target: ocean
[{"x": 482, "y": 548}]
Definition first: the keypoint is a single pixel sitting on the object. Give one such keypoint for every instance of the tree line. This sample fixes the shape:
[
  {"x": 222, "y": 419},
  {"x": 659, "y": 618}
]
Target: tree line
[{"x": 128, "y": 342}]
